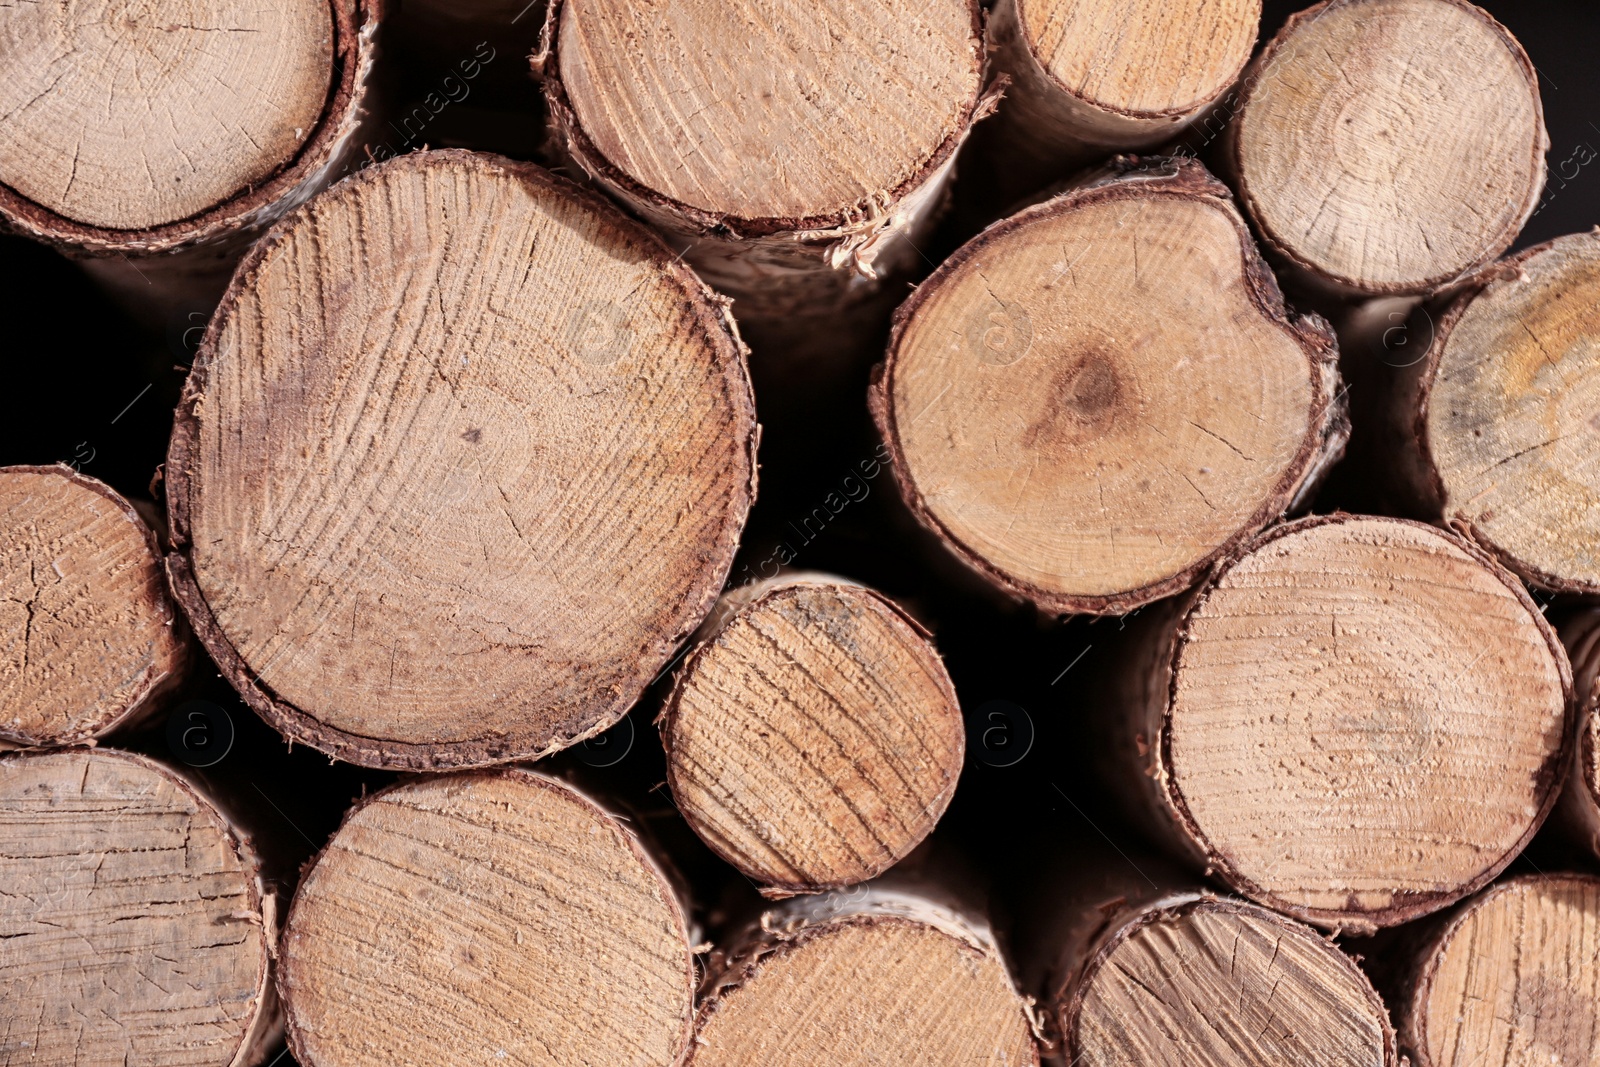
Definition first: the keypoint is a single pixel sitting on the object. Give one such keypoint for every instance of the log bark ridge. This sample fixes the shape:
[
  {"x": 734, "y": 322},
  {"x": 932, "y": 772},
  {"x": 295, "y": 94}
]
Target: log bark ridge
[
  {"x": 485, "y": 916},
  {"x": 793, "y": 153},
  {"x": 867, "y": 975},
  {"x": 269, "y": 96},
  {"x": 135, "y": 923},
  {"x": 92, "y": 639},
  {"x": 1356, "y": 721},
  {"x": 1580, "y": 801},
  {"x": 407, "y": 514},
  {"x": 813, "y": 736},
  {"x": 1513, "y": 978},
  {"x": 1194, "y": 978},
  {"x": 1095, "y": 398},
  {"x": 1088, "y": 76},
  {"x": 1388, "y": 146},
  {"x": 1493, "y": 428}
]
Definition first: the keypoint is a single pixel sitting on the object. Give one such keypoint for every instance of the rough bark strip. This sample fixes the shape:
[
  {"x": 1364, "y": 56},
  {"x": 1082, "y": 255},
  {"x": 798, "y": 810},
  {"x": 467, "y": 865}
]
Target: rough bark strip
[
  {"x": 135, "y": 923},
  {"x": 1088, "y": 399},
  {"x": 1513, "y": 978},
  {"x": 869, "y": 975},
  {"x": 1451, "y": 743},
  {"x": 813, "y": 737},
  {"x": 1491, "y": 428},
  {"x": 485, "y": 482},
  {"x": 1378, "y": 149},
  {"x": 1088, "y": 76},
  {"x": 1580, "y": 801},
  {"x": 93, "y": 642},
  {"x": 189, "y": 258},
  {"x": 778, "y": 252},
  {"x": 497, "y": 916}
]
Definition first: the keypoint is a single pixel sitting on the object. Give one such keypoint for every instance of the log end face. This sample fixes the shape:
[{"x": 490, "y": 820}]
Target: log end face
[
  {"x": 500, "y": 916},
  {"x": 132, "y": 923},
  {"x": 1380, "y": 697},
  {"x": 815, "y": 740},
  {"x": 1390, "y": 146},
  {"x": 85, "y": 621}
]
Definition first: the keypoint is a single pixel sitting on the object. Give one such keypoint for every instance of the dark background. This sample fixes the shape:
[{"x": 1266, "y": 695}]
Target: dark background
[{"x": 83, "y": 384}]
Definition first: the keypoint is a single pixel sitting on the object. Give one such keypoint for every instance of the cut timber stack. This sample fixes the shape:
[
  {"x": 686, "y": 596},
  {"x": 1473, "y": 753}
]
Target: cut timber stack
[
  {"x": 797, "y": 150},
  {"x": 1095, "y": 398},
  {"x": 813, "y": 737},
  {"x": 1493, "y": 427},
  {"x": 1388, "y": 146},
  {"x": 1356, "y": 721},
  {"x": 1089, "y": 77},
  {"x": 463, "y": 459},
  {"x": 868, "y": 976},
  {"x": 134, "y": 925},
  {"x": 1513, "y": 978},
  {"x": 163, "y": 137},
  {"x": 485, "y": 917},
  {"x": 91, "y": 640}
]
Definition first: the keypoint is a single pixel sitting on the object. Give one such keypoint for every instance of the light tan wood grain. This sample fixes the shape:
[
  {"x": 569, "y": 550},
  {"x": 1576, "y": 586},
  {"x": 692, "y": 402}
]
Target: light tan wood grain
[
  {"x": 1092, "y": 399},
  {"x": 132, "y": 931},
  {"x": 498, "y": 918},
  {"x": 1514, "y": 979},
  {"x": 1390, "y": 146},
  {"x": 86, "y": 625},
  {"x": 464, "y": 457},
  {"x": 1368, "y": 720},
  {"x": 864, "y": 977},
  {"x": 1223, "y": 983},
  {"x": 813, "y": 737}
]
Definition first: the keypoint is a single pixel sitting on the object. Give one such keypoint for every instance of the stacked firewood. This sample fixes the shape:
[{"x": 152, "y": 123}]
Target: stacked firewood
[{"x": 1097, "y": 303}]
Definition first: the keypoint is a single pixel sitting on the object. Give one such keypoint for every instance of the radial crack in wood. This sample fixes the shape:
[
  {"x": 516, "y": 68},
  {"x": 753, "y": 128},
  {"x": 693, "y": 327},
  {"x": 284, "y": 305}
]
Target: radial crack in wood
[
  {"x": 463, "y": 459},
  {"x": 91, "y": 638},
  {"x": 813, "y": 737},
  {"x": 133, "y": 921},
  {"x": 486, "y": 917},
  {"x": 1094, "y": 399},
  {"x": 1389, "y": 146}
]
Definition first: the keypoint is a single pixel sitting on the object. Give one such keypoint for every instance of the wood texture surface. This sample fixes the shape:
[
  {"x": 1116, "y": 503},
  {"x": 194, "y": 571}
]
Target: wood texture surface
[
  {"x": 1092, "y": 75},
  {"x": 813, "y": 737},
  {"x": 133, "y": 929},
  {"x": 91, "y": 639},
  {"x": 865, "y": 976},
  {"x": 1493, "y": 428},
  {"x": 1356, "y": 721},
  {"x": 1389, "y": 146},
  {"x": 1513, "y": 980},
  {"x": 795, "y": 150},
  {"x": 490, "y": 917},
  {"x": 464, "y": 457},
  {"x": 1193, "y": 979},
  {"x": 1095, "y": 398}
]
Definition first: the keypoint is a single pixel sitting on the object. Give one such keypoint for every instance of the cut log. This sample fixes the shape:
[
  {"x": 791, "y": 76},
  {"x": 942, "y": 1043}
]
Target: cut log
[
  {"x": 1191, "y": 978},
  {"x": 92, "y": 641},
  {"x": 1090, "y": 76},
  {"x": 1492, "y": 426},
  {"x": 1356, "y": 721},
  {"x": 1095, "y": 398},
  {"x": 869, "y": 975},
  {"x": 166, "y": 136},
  {"x": 813, "y": 737},
  {"x": 1513, "y": 978},
  {"x": 1580, "y": 801},
  {"x": 485, "y": 917},
  {"x": 797, "y": 151},
  {"x": 135, "y": 925},
  {"x": 465, "y": 510},
  {"x": 1388, "y": 146}
]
